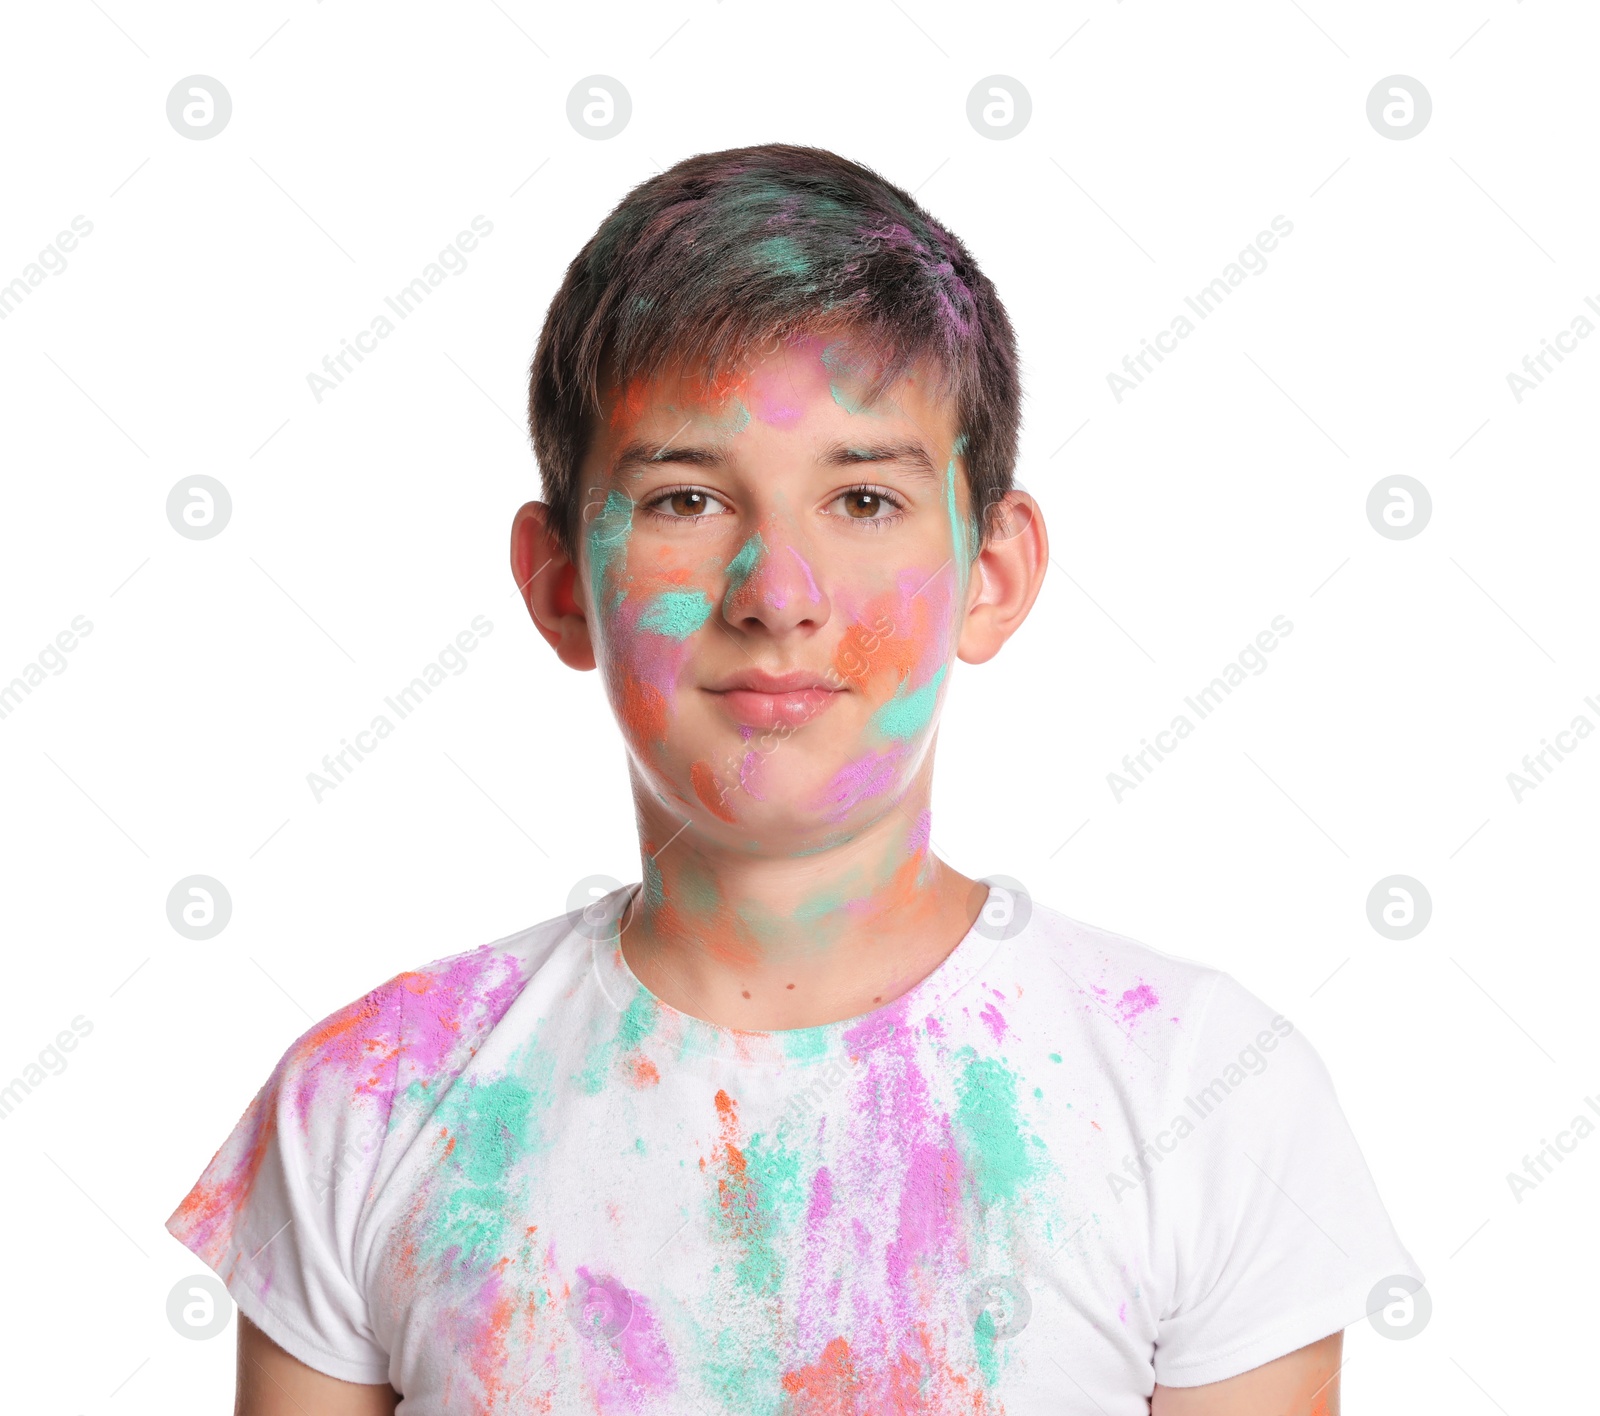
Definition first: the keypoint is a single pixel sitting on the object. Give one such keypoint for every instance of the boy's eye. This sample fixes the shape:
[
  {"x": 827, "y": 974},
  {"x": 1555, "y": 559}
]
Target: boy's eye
[
  {"x": 686, "y": 502},
  {"x": 868, "y": 504}
]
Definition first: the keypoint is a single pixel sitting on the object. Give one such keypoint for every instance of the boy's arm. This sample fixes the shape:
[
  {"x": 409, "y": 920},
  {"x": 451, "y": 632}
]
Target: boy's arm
[
  {"x": 1304, "y": 1383},
  {"x": 272, "y": 1383}
]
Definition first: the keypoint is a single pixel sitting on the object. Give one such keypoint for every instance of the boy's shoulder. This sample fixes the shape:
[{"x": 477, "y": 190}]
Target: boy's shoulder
[
  {"x": 418, "y": 1025},
  {"x": 1130, "y": 973},
  {"x": 1141, "y": 1001}
]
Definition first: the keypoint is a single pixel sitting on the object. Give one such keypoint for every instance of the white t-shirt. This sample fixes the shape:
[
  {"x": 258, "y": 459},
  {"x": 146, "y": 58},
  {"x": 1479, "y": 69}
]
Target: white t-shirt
[{"x": 514, "y": 1181}]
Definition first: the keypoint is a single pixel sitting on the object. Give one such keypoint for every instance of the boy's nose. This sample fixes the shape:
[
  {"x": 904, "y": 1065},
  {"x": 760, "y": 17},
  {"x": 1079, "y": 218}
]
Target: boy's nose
[{"x": 771, "y": 583}]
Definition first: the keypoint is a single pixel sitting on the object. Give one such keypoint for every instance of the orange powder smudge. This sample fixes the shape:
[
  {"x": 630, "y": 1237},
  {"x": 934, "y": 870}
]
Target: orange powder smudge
[
  {"x": 900, "y": 893},
  {"x": 643, "y": 710},
  {"x": 735, "y": 1196},
  {"x": 829, "y": 1386},
  {"x": 709, "y": 790},
  {"x": 489, "y": 1347},
  {"x": 885, "y": 645},
  {"x": 719, "y": 931},
  {"x": 644, "y": 1073},
  {"x": 630, "y": 402}
]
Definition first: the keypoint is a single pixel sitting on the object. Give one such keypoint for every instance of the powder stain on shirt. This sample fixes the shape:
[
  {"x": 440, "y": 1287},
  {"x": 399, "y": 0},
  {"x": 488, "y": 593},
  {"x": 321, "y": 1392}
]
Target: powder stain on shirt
[
  {"x": 488, "y": 1125},
  {"x": 999, "y": 1153}
]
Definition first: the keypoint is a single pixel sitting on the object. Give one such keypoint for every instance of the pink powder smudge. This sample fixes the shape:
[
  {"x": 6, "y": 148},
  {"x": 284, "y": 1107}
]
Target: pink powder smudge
[
  {"x": 811, "y": 580},
  {"x": 749, "y": 776},
  {"x": 991, "y": 1019},
  {"x": 352, "y": 1064},
  {"x": 919, "y": 1153},
  {"x": 867, "y": 776},
  {"x": 1136, "y": 1001},
  {"x": 821, "y": 1205},
  {"x": 917, "y": 841},
  {"x": 625, "y": 1354},
  {"x": 917, "y": 588},
  {"x": 1122, "y": 1314}
]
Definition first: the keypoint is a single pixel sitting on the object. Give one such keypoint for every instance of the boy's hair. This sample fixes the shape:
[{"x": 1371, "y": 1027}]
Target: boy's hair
[{"x": 731, "y": 250}]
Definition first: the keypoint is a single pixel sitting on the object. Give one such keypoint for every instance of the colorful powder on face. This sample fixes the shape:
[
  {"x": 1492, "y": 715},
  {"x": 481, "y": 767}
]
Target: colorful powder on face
[
  {"x": 743, "y": 565},
  {"x": 675, "y": 613},
  {"x": 812, "y": 593},
  {"x": 855, "y": 782},
  {"x": 643, "y": 710},
  {"x": 709, "y": 790},
  {"x": 750, "y": 776},
  {"x": 963, "y": 537},
  {"x": 779, "y": 391},
  {"x": 608, "y": 536},
  {"x": 907, "y": 714}
]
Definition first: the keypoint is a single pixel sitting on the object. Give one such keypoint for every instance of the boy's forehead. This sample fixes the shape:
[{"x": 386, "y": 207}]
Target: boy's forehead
[{"x": 812, "y": 384}]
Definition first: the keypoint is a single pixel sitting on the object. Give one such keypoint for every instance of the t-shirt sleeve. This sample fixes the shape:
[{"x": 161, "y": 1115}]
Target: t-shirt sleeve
[
  {"x": 1275, "y": 1232},
  {"x": 276, "y": 1213}
]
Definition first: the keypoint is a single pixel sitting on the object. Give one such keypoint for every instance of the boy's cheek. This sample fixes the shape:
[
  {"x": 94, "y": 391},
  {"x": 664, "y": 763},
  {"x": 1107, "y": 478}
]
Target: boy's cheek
[{"x": 903, "y": 636}]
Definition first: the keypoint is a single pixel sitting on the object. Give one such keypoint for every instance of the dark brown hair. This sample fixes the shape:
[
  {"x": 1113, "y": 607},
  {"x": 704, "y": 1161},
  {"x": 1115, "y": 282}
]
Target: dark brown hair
[{"x": 729, "y": 249}]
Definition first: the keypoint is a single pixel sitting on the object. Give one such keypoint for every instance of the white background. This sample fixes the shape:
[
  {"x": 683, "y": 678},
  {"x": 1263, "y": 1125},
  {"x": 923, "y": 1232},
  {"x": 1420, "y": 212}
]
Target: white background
[{"x": 370, "y": 528}]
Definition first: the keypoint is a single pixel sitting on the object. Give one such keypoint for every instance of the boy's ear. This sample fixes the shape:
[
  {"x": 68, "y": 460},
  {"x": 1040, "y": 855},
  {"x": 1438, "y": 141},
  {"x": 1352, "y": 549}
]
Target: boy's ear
[
  {"x": 1006, "y": 577},
  {"x": 550, "y": 585}
]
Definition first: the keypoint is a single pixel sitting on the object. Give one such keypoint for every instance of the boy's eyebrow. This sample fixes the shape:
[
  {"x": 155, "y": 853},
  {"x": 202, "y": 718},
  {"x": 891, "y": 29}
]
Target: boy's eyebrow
[
  {"x": 636, "y": 456},
  {"x": 912, "y": 456}
]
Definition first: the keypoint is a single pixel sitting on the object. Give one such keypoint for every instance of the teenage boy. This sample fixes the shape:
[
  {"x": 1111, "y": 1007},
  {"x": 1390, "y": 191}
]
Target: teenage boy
[{"x": 807, "y": 1121}]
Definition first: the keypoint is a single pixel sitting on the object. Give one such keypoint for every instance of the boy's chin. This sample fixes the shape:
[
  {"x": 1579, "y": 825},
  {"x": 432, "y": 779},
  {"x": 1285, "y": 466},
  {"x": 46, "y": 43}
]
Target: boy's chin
[{"x": 790, "y": 804}]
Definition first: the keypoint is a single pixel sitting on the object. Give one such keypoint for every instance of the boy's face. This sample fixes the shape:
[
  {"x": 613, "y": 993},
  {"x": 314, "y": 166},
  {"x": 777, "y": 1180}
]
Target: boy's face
[{"x": 773, "y": 578}]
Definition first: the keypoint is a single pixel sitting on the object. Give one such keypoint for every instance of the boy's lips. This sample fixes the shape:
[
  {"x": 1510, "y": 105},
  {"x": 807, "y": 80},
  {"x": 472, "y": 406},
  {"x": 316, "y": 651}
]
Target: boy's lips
[{"x": 758, "y": 699}]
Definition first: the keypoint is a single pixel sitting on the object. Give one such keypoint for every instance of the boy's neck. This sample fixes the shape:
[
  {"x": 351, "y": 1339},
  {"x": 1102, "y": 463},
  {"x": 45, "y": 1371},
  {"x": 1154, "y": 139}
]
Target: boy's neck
[{"x": 765, "y": 943}]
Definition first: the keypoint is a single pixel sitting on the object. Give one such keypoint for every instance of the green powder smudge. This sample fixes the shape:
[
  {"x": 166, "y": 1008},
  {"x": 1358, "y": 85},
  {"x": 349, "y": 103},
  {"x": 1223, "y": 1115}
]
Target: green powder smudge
[
  {"x": 637, "y": 1022},
  {"x": 845, "y": 372},
  {"x": 983, "y": 1337},
  {"x": 772, "y": 1173},
  {"x": 907, "y": 714},
  {"x": 805, "y": 1044},
  {"x": 987, "y": 1116},
  {"x": 782, "y": 255},
  {"x": 741, "y": 566},
  {"x": 490, "y": 1123},
  {"x": 676, "y": 613},
  {"x": 607, "y": 536},
  {"x": 963, "y": 530}
]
